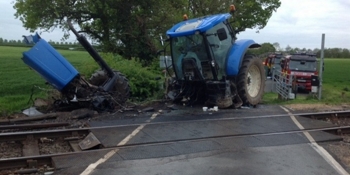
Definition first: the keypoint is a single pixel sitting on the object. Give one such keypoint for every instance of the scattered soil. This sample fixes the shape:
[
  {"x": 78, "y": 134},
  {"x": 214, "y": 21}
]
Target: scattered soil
[
  {"x": 53, "y": 146},
  {"x": 10, "y": 149},
  {"x": 318, "y": 107},
  {"x": 40, "y": 171},
  {"x": 341, "y": 151},
  {"x": 80, "y": 117}
]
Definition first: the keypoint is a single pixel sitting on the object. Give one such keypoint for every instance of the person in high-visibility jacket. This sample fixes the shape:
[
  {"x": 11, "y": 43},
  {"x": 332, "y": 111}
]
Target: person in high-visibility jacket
[{"x": 268, "y": 64}]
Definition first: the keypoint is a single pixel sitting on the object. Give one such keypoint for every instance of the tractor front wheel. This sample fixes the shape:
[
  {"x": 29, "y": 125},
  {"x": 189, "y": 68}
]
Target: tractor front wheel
[
  {"x": 251, "y": 80},
  {"x": 121, "y": 88}
]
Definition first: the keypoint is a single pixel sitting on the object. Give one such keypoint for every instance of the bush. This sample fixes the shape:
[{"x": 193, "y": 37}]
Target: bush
[{"x": 142, "y": 80}]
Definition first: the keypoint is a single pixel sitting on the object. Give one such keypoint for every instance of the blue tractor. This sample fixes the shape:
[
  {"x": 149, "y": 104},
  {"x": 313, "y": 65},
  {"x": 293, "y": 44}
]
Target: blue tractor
[
  {"x": 210, "y": 65},
  {"x": 105, "y": 90}
]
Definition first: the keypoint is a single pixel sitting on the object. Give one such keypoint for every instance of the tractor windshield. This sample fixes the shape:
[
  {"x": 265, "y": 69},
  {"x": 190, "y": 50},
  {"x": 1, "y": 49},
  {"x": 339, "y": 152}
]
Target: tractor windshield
[
  {"x": 194, "y": 47},
  {"x": 185, "y": 47},
  {"x": 297, "y": 65}
]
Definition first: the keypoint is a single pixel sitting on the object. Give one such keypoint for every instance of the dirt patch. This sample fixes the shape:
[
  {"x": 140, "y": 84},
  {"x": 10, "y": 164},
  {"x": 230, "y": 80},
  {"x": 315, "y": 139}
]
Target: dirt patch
[
  {"x": 53, "y": 146},
  {"x": 341, "y": 151},
  {"x": 77, "y": 118},
  {"x": 318, "y": 107},
  {"x": 10, "y": 150}
]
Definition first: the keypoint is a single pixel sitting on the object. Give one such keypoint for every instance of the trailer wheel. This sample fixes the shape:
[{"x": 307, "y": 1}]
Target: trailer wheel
[
  {"x": 251, "y": 80},
  {"x": 121, "y": 89}
]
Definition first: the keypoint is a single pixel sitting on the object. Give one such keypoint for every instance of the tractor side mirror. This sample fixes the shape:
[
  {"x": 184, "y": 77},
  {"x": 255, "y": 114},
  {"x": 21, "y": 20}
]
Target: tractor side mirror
[
  {"x": 162, "y": 40},
  {"x": 222, "y": 34}
]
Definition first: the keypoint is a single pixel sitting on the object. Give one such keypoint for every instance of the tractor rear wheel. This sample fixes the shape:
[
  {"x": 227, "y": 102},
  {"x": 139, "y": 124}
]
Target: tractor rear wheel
[
  {"x": 251, "y": 80},
  {"x": 121, "y": 88}
]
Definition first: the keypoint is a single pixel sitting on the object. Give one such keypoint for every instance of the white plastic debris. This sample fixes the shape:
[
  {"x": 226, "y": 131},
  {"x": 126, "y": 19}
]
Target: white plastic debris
[
  {"x": 216, "y": 108},
  {"x": 205, "y": 109},
  {"x": 32, "y": 112}
]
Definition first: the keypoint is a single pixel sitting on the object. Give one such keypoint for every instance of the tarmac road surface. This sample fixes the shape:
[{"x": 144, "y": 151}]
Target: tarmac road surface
[{"x": 191, "y": 145}]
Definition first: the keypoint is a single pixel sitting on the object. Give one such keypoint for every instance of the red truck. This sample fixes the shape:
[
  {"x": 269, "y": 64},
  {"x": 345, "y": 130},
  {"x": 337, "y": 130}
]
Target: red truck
[
  {"x": 272, "y": 63},
  {"x": 302, "y": 66}
]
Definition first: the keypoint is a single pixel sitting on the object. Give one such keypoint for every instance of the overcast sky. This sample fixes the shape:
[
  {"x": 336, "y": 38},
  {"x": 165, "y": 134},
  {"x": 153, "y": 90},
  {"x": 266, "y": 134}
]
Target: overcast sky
[{"x": 298, "y": 23}]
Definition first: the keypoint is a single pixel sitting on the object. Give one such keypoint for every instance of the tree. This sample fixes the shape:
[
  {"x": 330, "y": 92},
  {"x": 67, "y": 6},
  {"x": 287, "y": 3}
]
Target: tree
[
  {"x": 345, "y": 53},
  {"x": 294, "y": 50},
  {"x": 288, "y": 48},
  {"x": 266, "y": 48},
  {"x": 276, "y": 45},
  {"x": 131, "y": 28},
  {"x": 1, "y": 40}
]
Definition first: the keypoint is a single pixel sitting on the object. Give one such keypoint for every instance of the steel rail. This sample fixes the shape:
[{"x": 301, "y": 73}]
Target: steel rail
[
  {"x": 33, "y": 126},
  {"x": 20, "y": 162},
  {"x": 18, "y": 136}
]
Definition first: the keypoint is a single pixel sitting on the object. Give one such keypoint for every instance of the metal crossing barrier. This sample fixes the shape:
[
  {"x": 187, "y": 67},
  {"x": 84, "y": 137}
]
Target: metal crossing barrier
[{"x": 284, "y": 85}]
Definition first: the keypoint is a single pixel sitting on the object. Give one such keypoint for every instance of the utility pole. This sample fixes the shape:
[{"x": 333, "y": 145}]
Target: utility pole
[{"x": 321, "y": 67}]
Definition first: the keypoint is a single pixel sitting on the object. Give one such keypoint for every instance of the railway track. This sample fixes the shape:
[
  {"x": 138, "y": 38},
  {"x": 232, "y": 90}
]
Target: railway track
[
  {"x": 317, "y": 115},
  {"x": 31, "y": 139}
]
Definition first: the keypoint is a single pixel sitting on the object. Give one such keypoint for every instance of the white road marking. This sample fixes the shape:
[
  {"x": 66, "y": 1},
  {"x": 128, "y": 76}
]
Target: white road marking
[
  {"x": 93, "y": 166},
  {"x": 320, "y": 150}
]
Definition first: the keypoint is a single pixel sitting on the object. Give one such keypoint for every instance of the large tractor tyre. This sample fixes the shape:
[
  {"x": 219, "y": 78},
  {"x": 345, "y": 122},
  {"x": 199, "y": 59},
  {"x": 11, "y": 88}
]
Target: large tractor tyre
[
  {"x": 121, "y": 88},
  {"x": 251, "y": 80}
]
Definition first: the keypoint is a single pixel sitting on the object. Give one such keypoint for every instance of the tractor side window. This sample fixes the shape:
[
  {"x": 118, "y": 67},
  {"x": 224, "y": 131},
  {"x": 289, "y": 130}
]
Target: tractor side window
[{"x": 219, "y": 48}]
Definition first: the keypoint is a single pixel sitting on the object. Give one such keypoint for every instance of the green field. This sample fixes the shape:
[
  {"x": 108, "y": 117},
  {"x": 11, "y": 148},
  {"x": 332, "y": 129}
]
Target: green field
[
  {"x": 17, "y": 80},
  {"x": 336, "y": 80}
]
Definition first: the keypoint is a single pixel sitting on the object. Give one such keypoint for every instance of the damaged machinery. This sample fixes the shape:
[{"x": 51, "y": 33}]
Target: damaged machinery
[
  {"x": 210, "y": 65},
  {"x": 105, "y": 90}
]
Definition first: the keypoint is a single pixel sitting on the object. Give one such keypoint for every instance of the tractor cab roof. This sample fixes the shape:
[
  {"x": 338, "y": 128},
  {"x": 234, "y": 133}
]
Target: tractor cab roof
[{"x": 201, "y": 24}]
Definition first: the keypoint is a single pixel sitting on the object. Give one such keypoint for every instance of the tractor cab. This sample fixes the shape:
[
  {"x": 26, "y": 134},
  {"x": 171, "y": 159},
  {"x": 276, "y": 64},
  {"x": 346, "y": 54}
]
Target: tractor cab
[
  {"x": 200, "y": 54},
  {"x": 211, "y": 66}
]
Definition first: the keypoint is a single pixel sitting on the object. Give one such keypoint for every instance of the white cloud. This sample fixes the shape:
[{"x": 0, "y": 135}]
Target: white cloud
[
  {"x": 12, "y": 28},
  {"x": 298, "y": 23}
]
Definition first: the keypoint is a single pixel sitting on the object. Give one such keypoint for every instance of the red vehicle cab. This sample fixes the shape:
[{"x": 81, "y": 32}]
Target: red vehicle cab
[
  {"x": 272, "y": 63},
  {"x": 302, "y": 66}
]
